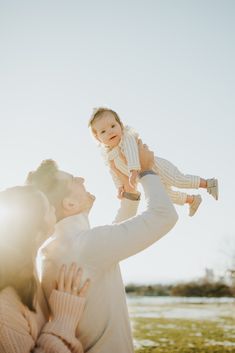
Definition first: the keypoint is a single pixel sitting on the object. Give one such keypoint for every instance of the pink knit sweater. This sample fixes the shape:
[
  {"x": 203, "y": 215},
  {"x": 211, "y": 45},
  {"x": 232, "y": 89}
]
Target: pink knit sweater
[{"x": 22, "y": 331}]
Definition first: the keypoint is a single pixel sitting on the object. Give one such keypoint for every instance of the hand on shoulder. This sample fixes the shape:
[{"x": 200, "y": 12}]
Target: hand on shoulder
[{"x": 69, "y": 281}]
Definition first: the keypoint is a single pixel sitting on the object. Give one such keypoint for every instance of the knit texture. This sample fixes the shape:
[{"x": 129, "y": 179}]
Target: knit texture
[
  {"x": 19, "y": 331},
  {"x": 104, "y": 326}
]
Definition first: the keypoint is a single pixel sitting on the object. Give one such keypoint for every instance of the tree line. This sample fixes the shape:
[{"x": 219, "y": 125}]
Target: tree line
[{"x": 190, "y": 289}]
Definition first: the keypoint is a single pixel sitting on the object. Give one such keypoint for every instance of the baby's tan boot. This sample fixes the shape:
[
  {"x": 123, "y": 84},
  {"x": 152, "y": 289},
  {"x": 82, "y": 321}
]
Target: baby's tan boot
[
  {"x": 194, "y": 205},
  {"x": 212, "y": 187}
]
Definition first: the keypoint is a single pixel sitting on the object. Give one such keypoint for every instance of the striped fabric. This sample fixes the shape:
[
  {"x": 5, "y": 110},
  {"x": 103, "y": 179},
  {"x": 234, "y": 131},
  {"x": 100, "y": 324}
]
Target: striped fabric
[{"x": 169, "y": 174}]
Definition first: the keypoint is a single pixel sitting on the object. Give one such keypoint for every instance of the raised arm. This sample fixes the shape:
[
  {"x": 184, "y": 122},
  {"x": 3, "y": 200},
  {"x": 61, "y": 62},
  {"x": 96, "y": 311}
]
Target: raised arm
[{"x": 113, "y": 243}]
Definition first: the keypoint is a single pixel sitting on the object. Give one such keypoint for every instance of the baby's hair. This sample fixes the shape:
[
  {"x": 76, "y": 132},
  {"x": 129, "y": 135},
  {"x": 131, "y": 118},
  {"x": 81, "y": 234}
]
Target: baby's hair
[{"x": 98, "y": 113}]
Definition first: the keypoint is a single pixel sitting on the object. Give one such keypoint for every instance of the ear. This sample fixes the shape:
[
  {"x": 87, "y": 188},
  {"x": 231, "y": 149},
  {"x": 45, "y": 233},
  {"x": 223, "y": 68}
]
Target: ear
[{"x": 69, "y": 204}]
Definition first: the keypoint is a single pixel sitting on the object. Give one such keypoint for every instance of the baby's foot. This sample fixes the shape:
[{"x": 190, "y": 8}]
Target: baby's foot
[
  {"x": 194, "y": 205},
  {"x": 212, "y": 187}
]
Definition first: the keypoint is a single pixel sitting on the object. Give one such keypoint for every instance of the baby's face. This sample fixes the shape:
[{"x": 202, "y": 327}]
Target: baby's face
[{"x": 108, "y": 130}]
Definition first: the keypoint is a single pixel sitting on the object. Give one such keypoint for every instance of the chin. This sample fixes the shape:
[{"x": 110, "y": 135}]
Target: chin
[
  {"x": 89, "y": 206},
  {"x": 92, "y": 202},
  {"x": 114, "y": 144}
]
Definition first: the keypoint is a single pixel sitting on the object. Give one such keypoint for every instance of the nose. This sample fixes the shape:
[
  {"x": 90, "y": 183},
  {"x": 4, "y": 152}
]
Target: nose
[{"x": 79, "y": 180}]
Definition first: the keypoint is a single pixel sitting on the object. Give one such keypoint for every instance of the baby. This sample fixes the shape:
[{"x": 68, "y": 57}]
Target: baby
[{"x": 120, "y": 145}]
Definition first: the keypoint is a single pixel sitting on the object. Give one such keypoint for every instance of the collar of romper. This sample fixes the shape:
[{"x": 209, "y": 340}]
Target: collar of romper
[{"x": 113, "y": 153}]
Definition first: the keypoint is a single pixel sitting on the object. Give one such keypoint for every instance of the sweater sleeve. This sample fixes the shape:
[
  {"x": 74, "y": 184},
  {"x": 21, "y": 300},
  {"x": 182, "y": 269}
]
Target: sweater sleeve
[
  {"x": 130, "y": 150},
  {"x": 14, "y": 339},
  {"x": 127, "y": 210},
  {"x": 110, "y": 244},
  {"x": 57, "y": 336}
]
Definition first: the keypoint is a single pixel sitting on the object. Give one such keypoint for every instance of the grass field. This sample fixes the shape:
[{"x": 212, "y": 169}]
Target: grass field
[{"x": 203, "y": 327}]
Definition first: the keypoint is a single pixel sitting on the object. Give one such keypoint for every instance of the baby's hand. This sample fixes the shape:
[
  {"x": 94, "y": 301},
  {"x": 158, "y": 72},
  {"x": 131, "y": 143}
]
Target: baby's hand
[
  {"x": 124, "y": 179},
  {"x": 120, "y": 192},
  {"x": 133, "y": 177}
]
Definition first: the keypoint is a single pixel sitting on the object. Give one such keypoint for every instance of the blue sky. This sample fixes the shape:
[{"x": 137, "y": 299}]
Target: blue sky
[{"x": 167, "y": 68}]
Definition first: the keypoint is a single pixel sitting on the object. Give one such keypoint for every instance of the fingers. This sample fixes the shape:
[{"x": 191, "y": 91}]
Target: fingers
[
  {"x": 120, "y": 192},
  {"x": 132, "y": 183},
  {"x": 69, "y": 281},
  {"x": 83, "y": 290},
  {"x": 146, "y": 157},
  {"x": 133, "y": 178},
  {"x": 60, "y": 280},
  {"x": 76, "y": 281},
  {"x": 142, "y": 145},
  {"x": 70, "y": 277}
]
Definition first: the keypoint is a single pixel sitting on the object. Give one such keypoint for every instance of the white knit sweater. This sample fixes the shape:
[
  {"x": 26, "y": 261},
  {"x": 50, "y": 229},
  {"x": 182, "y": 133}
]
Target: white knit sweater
[
  {"x": 105, "y": 326},
  {"x": 23, "y": 331}
]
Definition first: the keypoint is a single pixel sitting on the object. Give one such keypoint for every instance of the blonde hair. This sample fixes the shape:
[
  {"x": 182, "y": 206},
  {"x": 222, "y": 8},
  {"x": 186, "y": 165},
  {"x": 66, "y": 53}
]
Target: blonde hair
[
  {"x": 24, "y": 219},
  {"x": 98, "y": 113},
  {"x": 45, "y": 178}
]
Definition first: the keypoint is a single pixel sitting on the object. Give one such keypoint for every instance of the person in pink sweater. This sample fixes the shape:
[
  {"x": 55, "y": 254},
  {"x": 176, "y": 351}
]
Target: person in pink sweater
[{"x": 26, "y": 220}]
